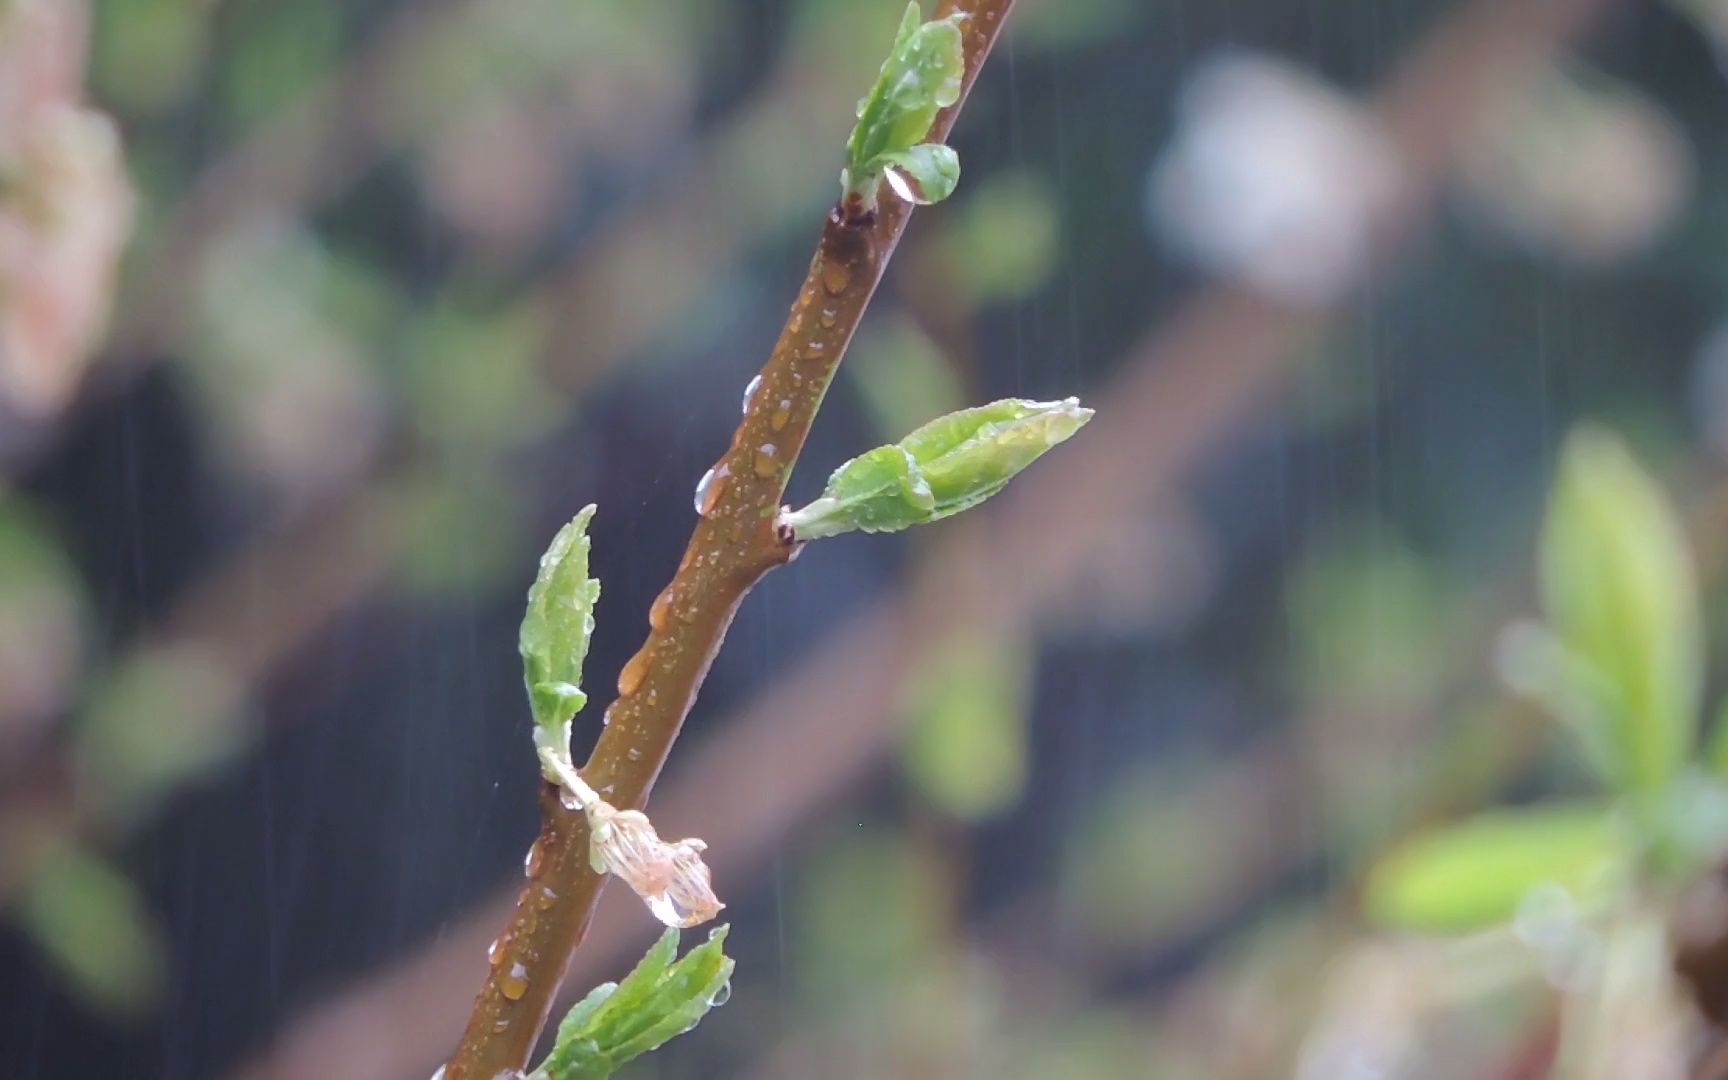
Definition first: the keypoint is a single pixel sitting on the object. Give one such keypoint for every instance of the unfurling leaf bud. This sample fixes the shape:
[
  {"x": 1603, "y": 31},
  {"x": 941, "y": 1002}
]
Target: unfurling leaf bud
[
  {"x": 944, "y": 467},
  {"x": 554, "y": 640},
  {"x": 921, "y": 76}
]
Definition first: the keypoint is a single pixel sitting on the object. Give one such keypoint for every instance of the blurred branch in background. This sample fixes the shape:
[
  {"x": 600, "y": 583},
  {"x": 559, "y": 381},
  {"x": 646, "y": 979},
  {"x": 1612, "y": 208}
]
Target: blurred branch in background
[{"x": 1188, "y": 385}]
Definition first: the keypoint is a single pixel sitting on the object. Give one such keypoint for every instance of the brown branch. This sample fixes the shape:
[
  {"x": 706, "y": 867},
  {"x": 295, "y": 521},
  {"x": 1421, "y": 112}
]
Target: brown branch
[
  {"x": 1182, "y": 388},
  {"x": 733, "y": 546}
]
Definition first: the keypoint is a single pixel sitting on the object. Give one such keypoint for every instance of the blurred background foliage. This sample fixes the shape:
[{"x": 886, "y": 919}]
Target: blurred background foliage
[{"x": 317, "y": 317}]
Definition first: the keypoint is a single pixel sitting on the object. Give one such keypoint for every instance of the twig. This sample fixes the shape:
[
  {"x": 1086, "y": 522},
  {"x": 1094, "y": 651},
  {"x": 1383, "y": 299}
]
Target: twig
[
  {"x": 1183, "y": 387},
  {"x": 733, "y": 546}
]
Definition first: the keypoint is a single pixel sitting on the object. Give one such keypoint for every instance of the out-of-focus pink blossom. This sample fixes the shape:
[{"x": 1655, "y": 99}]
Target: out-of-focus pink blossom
[{"x": 65, "y": 207}]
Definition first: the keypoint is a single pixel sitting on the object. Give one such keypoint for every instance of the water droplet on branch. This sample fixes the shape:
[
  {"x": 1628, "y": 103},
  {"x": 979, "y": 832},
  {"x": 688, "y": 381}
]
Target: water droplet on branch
[
  {"x": 835, "y": 277},
  {"x": 767, "y": 462},
  {"x": 710, "y": 487},
  {"x": 635, "y": 671},
  {"x": 514, "y": 983},
  {"x": 658, "y": 609}
]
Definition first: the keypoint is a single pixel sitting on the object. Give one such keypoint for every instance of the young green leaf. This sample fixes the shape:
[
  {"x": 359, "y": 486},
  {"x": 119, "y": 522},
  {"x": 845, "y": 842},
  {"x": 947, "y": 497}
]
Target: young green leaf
[
  {"x": 948, "y": 465},
  {"x": 554, "y": 637},
  {"x": 1619, "y": 590},
  {"x": 658, "y": 1000},
  {"x": 1474, "y": 874},
  {"x": 925, "y": 174},
  {"x": 921, "y": 76}
]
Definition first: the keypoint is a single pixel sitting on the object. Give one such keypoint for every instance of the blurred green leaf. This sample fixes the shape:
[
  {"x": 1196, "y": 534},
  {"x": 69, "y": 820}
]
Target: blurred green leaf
[
  {"x": 966, "y": 747},
  {"x": 1068, "y": 24},
  {"x": 868, "y": 912},
  {"x": 154, "y": 721},
  {"x": 1619, "y": 589},
  {"x": 473, "y": 379},
  {"x": 41, "y": 625},
  {"x": 659, "y": 1000},
  {"x": 950, "y": 464},
  {"x": 92, "y": 924},
  {"x": 1365, "y": 612},
  {"x": 1002, "y": 242},
  {"x": 902, "y": 375},
  {"x": 445, "y": 555},
  {"x": 1474, "y": 874},
  {"x": 555, "y": 633},
  {"x": 1716, "y": 752},
  {"x": 146, "y": 53},
  {"x": 276, "y": 53},
  {"x": 1159, "y": 849}
]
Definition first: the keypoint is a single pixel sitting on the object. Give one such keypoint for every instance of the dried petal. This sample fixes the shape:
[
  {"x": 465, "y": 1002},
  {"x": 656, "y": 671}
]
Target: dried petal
[{"x": 671, "y": 879}]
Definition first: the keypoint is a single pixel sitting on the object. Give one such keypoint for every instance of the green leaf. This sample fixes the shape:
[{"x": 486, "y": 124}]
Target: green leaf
[
  {"x": 94, "y": 927},
  {"x": 921, "y": 76},
  {"x": 1716, "y": 748},
  {"x": 555, "y": 633},
  {"x": 656, "y": 1002},
  {"x": 1619, "y": 590},
  {"x": 948, "y": 465},
  {"x": 966, "y": 744},
  {"x": 924, "y": 174},
  {"x": 1474, "y": 874}
]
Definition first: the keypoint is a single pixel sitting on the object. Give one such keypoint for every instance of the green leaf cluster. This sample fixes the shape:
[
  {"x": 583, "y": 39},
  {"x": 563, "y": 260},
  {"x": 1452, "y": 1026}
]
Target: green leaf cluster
[
  {"x": 1620, "y": 660},
  {"x": 921, "y": 76},
  {"x": 950, "y": 464},
  {"x": 661, "y": 998}
]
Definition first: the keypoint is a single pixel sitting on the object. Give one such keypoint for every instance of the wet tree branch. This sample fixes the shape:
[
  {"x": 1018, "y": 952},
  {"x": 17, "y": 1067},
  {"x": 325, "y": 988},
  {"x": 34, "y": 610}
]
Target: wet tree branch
[{"x": 733, "y": 546}]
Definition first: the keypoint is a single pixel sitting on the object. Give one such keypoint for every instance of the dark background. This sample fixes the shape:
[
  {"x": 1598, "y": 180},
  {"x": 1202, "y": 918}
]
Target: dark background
[{"x": 410, "y": 282}]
